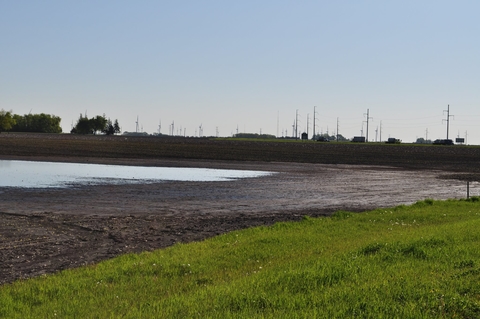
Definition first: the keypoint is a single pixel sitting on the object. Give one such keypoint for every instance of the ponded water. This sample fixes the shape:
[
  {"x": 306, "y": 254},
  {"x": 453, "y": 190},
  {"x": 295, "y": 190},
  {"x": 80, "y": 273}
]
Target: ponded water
[{"x": 31, "y": 174}]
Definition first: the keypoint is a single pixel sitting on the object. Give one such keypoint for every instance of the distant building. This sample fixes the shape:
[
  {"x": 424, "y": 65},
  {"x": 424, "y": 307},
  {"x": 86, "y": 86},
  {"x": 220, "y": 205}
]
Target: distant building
[
  {"x": 358, "y": 139},
  {"x": 443, "y": 142},
  {"x": 393, "y": 140}
]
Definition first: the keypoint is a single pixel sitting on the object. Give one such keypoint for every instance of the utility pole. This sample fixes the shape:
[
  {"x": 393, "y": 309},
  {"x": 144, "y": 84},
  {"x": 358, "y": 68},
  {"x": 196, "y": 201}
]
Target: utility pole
[
  {"x": 466, "y": 133},
  {"x": 314, "y": 116},
  {"x": 426, "y": 135},
  {"x": 448, "y": 117},
  {"x": 376, "y": 134},
  {"x": 136, "y": 123},
  {"x": 368, "y": 118},
  {"x": 380, "y": 131},
  {"x": 278, "y": 117},
  {"x": 308, "y": 120},
  {"x": 296, "y": 125},
  {"x": 337, "y": 129}
]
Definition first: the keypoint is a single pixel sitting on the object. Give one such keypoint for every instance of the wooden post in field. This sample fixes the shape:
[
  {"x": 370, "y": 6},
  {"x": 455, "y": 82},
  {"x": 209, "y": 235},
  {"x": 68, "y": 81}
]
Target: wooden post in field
[{"x": 468, "y": 190}]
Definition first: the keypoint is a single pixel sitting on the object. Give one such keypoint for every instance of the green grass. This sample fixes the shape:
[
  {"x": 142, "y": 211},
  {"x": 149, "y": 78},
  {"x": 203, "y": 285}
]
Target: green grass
[{"x": 418, "y": 261}]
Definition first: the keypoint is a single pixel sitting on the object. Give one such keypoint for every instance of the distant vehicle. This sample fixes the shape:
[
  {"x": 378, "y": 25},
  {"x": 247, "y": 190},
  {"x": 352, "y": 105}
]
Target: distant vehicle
[
  {"x": 443, "y": 142},
  {"x": 393, "y": 140},
  {"x": 323, "y": 139},
  {"x": 359, "y": 139}
]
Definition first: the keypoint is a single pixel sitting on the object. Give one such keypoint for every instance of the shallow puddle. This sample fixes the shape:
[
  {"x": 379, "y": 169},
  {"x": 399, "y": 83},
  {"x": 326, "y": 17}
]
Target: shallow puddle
[{"x": 29, "y": 174}]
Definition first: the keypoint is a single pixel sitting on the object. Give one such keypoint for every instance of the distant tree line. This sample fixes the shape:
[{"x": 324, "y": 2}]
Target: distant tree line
[
  {"x": 325, "y": 136},
  {"x": 254, "y": 135},
  {"x": 140, "y": 134},
  {"x": 95, "y": 125},
  {"x": 39, "y": 123}
]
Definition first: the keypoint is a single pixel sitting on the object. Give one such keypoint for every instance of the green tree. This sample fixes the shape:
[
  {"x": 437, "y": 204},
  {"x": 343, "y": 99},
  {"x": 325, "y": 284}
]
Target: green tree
[
  {"x": 6, "y": 120},
  {"x": 95, "y": 124},
  {"x": 98, "y": 124},
  {"x": 83, "y": 126},
  {"x": 334, "y": 137},
  {"x": 116, "y": 127},
  {"x": 111, "y": 128},
  {"x": 39, "y": 123}
]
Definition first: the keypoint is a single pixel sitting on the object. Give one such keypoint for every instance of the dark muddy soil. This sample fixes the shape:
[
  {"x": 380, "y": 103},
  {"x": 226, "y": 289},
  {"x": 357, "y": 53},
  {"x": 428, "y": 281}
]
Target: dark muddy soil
[{"x": 46, "y": 230}]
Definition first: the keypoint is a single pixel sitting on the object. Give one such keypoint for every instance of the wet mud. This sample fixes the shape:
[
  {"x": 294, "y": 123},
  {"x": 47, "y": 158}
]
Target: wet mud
[{"x": 46, "y": 230}]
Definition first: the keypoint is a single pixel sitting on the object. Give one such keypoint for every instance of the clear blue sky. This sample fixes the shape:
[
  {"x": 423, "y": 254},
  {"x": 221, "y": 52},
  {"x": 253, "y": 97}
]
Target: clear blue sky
[{"x": 247, "y": 64}]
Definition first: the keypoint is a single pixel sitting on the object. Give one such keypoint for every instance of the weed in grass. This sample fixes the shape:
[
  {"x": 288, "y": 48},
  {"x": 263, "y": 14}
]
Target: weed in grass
[
  {"x": 464, "y": 264},
  {"x": 306, "y": 218},
  {"x": 339, "y": 215},
  {"x": 371, "y": 249},
  {"x": 473, "y": 199},
  {"x": 427, "y": 201}
]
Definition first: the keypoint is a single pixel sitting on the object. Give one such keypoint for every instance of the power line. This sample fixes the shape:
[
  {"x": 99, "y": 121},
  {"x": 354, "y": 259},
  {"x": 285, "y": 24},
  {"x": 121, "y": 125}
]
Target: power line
[
  {"x": 368, "y": 118},
  {"x": 448, "y": 118},
  {"x": 380, "y": 131},
  {"x": 337, "y": 129}
]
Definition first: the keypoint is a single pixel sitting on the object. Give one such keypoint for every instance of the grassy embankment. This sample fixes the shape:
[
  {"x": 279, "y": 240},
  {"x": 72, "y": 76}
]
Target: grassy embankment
[{"x": 419, "y": 261}]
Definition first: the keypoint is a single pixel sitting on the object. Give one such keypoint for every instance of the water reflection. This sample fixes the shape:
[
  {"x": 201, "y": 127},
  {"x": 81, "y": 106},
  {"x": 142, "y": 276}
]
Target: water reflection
[{"x": 48, "y": 174}]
